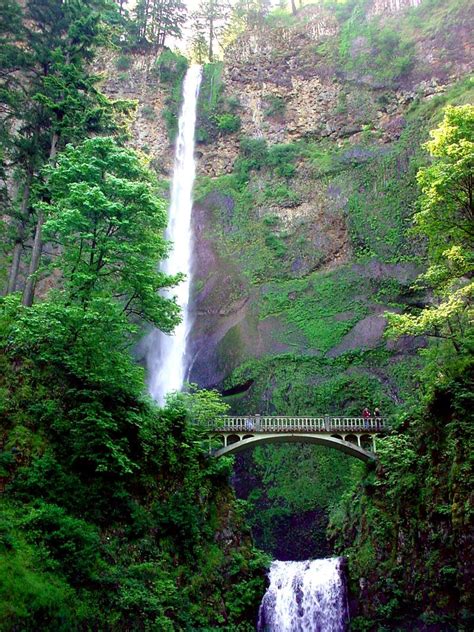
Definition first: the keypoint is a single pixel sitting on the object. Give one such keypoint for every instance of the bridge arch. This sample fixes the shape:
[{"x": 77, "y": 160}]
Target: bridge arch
[
  {"x": 339, "y": 444},
  {"x": 352, "y": 435}
]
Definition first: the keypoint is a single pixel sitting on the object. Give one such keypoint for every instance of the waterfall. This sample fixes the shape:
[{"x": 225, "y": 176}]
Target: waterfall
[
  {"x": 307, "y": 596},
  {"x": 166, "y": 354}
]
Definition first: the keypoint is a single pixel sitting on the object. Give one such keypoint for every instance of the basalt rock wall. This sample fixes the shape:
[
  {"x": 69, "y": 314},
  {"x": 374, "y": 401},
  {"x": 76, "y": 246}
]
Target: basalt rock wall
[{"x": 318, "y": 231}]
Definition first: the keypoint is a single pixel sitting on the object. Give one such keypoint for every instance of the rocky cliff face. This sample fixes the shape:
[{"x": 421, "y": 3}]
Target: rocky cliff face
[
  {"x": 345, "y": 100},
  {"x": 301, "y": 214}
]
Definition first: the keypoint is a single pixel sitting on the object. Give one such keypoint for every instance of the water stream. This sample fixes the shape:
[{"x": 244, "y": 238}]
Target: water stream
[
  {"x": 307, "y": 596},
  {"x": 166, "y": 354}
]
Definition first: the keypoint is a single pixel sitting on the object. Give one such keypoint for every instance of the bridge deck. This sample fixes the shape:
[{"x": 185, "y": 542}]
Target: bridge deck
[
  {"x": 330, "y": 424},
  {"x": 353, "y": 435}
]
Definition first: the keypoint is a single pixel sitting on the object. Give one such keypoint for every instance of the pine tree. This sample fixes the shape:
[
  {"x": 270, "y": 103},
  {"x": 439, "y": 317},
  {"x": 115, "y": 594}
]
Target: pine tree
[
  {"x": 209, "y": 23},
  {"x": 156, "y": 20},
  {"x": 58, "y": 102}
]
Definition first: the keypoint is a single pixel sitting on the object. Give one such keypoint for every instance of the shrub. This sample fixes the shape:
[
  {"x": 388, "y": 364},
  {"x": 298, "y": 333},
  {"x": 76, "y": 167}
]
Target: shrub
[
  {"x": 123, "y": 62},
  {"x": 276, "y": 244},
  {"x": 170, "y": 67},
  {"x": 255, "y": 150},
  {"x": 282, "y": 195},
  {"x": 228, "y": 123},
  {"x": 233, "y": 104},
  {"x": 276, "y": 105}
]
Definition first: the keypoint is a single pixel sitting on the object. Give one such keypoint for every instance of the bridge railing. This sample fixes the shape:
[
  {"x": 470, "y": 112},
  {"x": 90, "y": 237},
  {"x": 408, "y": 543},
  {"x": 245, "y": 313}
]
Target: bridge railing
[{"x": 260, "y": 423}]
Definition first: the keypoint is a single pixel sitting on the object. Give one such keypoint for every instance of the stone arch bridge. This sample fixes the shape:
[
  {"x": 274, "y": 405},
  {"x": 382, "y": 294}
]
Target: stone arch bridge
[{"x": 356, "y": 436}]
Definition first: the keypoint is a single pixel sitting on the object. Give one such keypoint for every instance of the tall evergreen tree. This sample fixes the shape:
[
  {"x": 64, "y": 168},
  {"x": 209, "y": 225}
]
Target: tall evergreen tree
[
  {"x": 209, "y": 23},
  {"x": 58, "y": 101},
  {"x": 156, "y": 20}
]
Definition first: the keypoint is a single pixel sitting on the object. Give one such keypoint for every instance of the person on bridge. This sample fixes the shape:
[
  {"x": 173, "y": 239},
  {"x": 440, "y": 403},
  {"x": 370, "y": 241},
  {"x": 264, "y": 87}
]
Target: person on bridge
[
  {"x": 366, "y": 416},
  {"x": 377, "y": 416}
]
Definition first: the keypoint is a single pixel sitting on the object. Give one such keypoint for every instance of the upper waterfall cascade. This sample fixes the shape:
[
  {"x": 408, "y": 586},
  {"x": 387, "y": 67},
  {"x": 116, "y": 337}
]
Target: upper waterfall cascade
[
  {"x": 307, "y": 596},
  {"x": 166, "y": 354}
]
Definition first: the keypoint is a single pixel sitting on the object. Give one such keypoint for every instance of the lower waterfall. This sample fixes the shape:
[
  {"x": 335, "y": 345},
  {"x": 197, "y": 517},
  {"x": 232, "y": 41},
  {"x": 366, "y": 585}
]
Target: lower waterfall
[{"x": 307, "y": 596}]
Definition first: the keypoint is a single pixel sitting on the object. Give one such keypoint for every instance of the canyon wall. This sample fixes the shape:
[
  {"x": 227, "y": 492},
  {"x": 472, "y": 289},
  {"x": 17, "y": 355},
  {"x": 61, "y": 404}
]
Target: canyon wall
[{"x": 299, "y": 257}]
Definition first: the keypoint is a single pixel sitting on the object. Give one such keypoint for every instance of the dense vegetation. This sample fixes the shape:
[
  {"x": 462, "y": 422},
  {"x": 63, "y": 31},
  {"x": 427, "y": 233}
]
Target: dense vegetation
[
  {"x": 112, "y": 514},
  {"x": 113, "y": 509}
]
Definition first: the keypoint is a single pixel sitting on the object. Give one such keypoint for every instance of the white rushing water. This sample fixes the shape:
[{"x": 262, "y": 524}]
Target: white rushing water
[
  {"x": 166, "y": 354},
  {"x": 307, "y": 596}
]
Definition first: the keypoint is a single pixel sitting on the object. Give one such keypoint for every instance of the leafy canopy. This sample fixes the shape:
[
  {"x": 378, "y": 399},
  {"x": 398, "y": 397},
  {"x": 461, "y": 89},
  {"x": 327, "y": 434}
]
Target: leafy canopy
[
  {"x": 108, "y": 222},
  {"x": 445, "y": 217}
]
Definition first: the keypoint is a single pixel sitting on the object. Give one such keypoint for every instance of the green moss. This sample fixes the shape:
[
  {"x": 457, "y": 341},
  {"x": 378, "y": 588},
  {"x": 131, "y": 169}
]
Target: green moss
[
  {"x": 311, "y": 304},
  {"x": 370, "y": 48}
]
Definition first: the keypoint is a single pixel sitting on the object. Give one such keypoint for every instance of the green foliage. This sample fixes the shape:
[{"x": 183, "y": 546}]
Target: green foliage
[
  {"x": 103, "y": 213},
  {"x": 59, "y": 104},
  {"x": 119, "y": 499},
  {"x": 32, "y": 595},
  {"x": 203, "y": 407},
  {"x": 123, "y": 63},
  {"x": 255, "y": 155},
  {"x": 282, "y": 195},
  {"x": 228, "y": 123},
  {"x": 444, "y": 216},
  {"x": 154, "y": 21}
]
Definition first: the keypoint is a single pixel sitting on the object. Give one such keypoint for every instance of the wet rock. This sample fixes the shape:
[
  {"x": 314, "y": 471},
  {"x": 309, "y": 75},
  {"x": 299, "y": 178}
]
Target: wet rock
[{"x": 367, "y": 334}]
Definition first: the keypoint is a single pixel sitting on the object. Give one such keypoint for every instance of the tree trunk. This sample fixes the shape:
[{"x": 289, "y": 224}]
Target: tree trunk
[
  {"x": 15, "y": 266},
  {"x": 17, "y": 250},
  {"x": 293, "y": 7},
  {"x": 29, "y": 291},
  {"x": 211, "y": 39}
]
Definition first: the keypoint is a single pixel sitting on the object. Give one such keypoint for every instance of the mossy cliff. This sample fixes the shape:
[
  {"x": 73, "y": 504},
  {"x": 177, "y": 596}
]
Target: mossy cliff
[{"x": 303, "y": 214}]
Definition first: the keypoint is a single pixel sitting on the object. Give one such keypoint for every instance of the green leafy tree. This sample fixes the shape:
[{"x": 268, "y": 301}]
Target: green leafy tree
[
  {"x": 445, "y": 217},
  {"x": 108, "y": 223}
]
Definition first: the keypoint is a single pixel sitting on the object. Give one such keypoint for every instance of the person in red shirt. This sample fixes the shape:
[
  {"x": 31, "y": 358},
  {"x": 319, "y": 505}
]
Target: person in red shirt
[{"x": 366, "y": 416}]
